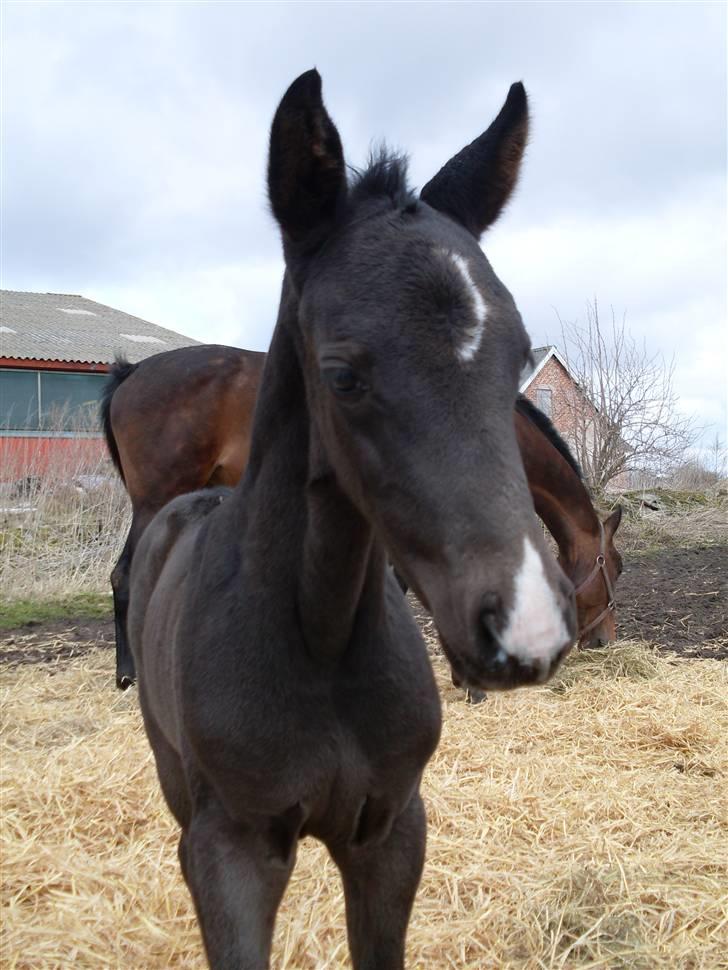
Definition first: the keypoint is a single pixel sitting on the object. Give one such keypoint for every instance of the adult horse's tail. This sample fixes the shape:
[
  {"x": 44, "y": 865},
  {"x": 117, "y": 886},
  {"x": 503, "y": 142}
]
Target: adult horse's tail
[{"x": 119, "y": 372}]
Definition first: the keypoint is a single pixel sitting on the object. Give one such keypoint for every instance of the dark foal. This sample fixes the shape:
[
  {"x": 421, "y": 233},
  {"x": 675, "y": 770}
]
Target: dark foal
[
  {"x": 284, "y": 683},
  {"x": 181, "y": 420}
]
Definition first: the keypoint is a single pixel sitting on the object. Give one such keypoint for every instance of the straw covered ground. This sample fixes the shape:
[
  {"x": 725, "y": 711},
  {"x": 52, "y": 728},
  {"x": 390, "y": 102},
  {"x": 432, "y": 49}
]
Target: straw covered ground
[{"x": 578, "y": 825}]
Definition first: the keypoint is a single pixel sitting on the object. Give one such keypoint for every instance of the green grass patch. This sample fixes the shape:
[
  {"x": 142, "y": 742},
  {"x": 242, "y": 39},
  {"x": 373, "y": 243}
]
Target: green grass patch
[{"x": 16, "y": 613}]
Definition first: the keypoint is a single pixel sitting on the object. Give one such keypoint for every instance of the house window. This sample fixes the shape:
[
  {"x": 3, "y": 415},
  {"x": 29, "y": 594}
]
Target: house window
[
  {"x": 52, "y": 401},
  {"x": 544, "y": 400}
]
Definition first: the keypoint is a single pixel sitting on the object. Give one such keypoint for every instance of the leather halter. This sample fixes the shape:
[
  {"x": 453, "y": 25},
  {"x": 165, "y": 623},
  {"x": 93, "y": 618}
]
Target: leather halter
[{"x": 600, "y": 566}]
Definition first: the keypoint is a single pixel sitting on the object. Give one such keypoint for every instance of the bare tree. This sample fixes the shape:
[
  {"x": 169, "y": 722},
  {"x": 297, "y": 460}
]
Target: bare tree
[
  {"x": 692, "y": 475},
  {"x": 701, "y": 470},
  {"x": 623, "y": 414},
  {"x": 717, "y": 454}
]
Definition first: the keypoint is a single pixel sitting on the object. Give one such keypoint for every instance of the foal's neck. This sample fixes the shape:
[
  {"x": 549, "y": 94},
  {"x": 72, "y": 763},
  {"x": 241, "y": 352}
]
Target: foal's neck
[{"x": 297, "y": 515}]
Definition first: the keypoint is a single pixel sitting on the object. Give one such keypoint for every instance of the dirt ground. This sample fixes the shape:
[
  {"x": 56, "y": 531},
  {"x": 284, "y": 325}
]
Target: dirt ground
[
  {"x": 675, "y": 598},
  {"x": 55, "y": 640}
]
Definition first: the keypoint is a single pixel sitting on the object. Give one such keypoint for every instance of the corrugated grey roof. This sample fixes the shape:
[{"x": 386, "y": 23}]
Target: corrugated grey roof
[
  {"x": 60, "y": 326},
  {"x": 538, "y": 355}
]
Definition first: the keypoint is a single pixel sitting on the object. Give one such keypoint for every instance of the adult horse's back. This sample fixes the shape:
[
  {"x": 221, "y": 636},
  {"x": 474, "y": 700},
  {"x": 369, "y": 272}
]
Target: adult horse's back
[
  {"x": 174, "y": 423},
  {"x": 284, "y": 683}
]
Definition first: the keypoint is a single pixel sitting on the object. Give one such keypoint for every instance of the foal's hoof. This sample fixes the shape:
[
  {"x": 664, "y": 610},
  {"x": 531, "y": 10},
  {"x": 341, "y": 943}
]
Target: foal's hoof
[
  {"x": 125, "y": 681},
  {"x": 475, "y": 696}
]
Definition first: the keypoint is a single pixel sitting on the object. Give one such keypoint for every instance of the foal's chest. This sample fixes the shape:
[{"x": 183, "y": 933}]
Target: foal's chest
[{"x": 347, "y": 743}]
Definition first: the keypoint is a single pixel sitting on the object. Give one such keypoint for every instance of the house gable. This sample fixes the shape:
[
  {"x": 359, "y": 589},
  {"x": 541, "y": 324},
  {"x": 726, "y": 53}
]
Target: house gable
[{"x": 551, "y": 387}]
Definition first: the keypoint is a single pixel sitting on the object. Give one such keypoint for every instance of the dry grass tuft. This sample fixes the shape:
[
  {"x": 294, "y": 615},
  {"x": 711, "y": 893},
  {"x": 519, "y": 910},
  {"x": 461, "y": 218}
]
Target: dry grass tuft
[
  {"x": 577, "y": 826},
  {"x": 683, "y": 519},
  {"x": 63, "y": 522}
]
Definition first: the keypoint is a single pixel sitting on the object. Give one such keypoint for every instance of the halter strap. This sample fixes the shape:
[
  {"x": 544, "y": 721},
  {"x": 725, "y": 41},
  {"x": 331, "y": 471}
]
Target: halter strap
[{"x": 600, "y": 566}]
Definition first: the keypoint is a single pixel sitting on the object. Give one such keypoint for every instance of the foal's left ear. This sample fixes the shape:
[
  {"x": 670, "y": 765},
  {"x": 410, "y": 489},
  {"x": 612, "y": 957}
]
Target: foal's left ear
[
  {"x": 473, "y": 187},
  {"x": 306, "y": 173}
]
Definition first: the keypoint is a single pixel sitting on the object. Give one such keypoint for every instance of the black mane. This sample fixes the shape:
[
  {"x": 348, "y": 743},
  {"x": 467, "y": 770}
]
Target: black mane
[
  {"x": 544, "y": 424},
  {"x": 385, "y": 176}
]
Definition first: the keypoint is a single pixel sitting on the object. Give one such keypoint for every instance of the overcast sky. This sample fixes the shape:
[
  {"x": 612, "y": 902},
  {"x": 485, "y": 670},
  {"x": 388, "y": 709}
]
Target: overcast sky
[{"x": 135, "y": 136}]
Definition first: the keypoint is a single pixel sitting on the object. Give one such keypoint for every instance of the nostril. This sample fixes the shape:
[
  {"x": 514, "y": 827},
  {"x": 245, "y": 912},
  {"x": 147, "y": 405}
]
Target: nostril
[
  {"x": 490, "y": 603},
  {"x": 489, "y": 612},
  {"x": 490, "y": 609},
  {"x": 488, "y": 621}
]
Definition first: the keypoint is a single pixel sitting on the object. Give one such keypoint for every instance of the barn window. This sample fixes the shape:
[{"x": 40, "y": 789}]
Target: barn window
[
  {"x": 544, "y": 400},
  {"x": 53, "y": 401},
  {"x": 18, "y": 400},
  {"x": 69, "y": 402}
]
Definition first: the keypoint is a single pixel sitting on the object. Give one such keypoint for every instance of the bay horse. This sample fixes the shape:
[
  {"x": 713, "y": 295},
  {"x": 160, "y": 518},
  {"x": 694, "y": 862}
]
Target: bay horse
[
  {"x": 181, "y": 420},
  {"x": 284, "y": 683},
  {"x": 587, "y": 553}
]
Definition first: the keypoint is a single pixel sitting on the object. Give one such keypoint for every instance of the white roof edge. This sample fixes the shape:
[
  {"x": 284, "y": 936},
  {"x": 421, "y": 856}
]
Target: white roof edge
[{"x": 552, "y": 352}]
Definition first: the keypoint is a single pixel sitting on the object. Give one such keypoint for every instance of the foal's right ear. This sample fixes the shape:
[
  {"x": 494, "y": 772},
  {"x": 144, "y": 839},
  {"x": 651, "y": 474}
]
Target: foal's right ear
[{"x": 306, "y": 172}]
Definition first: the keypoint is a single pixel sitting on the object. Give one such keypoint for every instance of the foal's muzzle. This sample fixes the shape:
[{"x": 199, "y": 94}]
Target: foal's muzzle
[
  {"x": 501, "y": 669},
  {"x": 506, "y": 651}
]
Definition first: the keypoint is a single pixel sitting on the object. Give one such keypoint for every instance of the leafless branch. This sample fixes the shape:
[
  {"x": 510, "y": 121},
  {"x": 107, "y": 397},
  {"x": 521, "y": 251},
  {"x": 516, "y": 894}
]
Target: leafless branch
[{"x": 624, "y": 414}]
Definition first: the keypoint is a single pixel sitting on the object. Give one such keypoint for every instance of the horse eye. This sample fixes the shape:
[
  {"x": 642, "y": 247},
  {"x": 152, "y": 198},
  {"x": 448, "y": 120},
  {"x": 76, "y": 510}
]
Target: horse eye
[{"x": 343, "y": 381}]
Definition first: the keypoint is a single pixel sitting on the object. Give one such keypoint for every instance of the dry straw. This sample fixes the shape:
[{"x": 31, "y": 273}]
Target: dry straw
[{"x": 580, "y": 825}]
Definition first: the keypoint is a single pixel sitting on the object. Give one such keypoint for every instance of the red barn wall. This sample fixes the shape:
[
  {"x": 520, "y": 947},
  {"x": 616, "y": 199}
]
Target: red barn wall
[
  {"x": 60, "y": 457},
  {"x": 24, "y": 456}
]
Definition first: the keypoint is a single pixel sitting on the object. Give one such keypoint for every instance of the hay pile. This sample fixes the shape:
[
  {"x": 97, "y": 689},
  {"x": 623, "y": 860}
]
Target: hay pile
[{"x": 579, "y": 825}]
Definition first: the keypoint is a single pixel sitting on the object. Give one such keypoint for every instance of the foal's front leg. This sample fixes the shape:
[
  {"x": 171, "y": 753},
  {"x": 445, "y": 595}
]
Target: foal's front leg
[
  {"x": 237, "y": 877},
  {"x": 380, "y": 883}
]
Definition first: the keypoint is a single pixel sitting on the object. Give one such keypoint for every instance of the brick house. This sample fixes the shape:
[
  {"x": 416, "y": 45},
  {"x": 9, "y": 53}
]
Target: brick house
[
  {"x": 550, "y": 386},
  {"x": 55, "y": 350}
]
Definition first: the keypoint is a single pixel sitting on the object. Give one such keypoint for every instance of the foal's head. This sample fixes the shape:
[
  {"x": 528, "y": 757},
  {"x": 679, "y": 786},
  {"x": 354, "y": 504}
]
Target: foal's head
[{"x": 411, "y": 349}]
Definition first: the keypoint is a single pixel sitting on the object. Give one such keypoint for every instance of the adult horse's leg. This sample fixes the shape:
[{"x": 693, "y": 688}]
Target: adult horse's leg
[
  {"x": 125, "y": 672},
  {"x": 237, "y": 877},
  {"x": 380, "y": 882}
]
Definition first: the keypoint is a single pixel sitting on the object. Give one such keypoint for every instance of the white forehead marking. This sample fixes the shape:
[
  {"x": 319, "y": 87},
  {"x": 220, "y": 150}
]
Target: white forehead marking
[
  {"x": 536, "y": 630},
  {"x": 473, "y": 335}
]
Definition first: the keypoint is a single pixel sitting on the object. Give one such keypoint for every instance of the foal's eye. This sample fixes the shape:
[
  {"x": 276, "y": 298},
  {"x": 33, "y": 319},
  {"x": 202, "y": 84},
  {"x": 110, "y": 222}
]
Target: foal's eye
[{"x": 343, "y": 381}]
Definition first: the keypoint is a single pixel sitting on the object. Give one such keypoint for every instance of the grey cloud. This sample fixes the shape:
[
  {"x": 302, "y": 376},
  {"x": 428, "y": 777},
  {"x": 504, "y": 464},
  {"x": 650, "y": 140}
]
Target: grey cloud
[{"x": 135, "y": 138}]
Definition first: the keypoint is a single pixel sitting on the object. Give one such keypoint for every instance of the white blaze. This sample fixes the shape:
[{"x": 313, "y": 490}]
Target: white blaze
[
  {"x": 535, "y": 630},
  {"x": 473, "y": 335}
]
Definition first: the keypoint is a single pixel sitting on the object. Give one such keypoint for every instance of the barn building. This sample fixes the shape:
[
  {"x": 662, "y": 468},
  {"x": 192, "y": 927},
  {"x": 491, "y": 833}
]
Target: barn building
[{"x": 55, "y": 350}]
